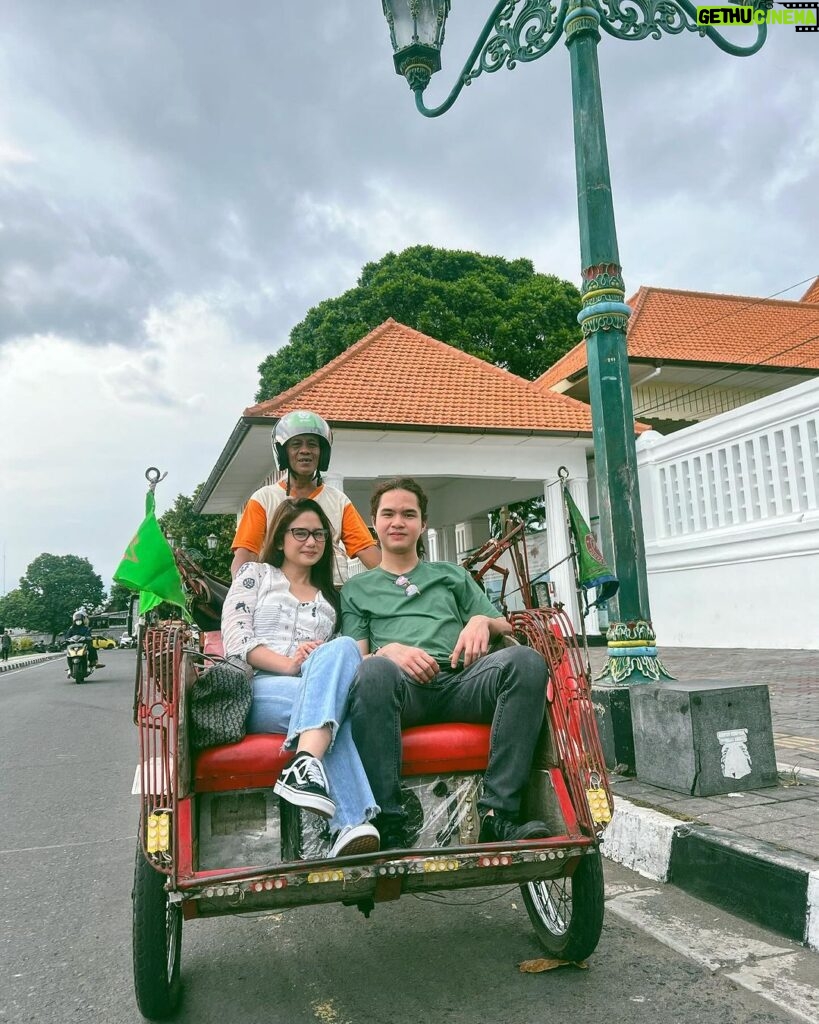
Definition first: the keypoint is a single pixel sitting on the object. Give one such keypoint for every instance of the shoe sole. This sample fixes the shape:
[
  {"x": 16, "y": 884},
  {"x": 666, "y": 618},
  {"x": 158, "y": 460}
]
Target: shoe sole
[
  {"x": 310, "y": 801},
  {"x": 361, "y": 844}
]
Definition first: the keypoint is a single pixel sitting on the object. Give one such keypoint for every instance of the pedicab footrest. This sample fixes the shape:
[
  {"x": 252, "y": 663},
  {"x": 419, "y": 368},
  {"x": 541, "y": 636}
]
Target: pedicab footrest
[{"x": 257, "y": 761}]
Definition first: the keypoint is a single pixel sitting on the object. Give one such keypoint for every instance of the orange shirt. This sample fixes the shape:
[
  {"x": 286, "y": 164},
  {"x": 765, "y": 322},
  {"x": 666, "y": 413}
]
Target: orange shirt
[{"x": 348, "y": 527}]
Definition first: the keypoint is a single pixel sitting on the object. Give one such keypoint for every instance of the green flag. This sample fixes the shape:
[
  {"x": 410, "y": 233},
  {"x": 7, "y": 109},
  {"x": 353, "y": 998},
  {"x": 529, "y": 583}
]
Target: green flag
[
  {"x": 148, "y": 565},
  {"x": 592, "y": 570}
]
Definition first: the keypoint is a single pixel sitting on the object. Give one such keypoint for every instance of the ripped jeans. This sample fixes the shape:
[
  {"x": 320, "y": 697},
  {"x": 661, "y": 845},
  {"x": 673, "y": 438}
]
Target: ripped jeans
[{"x": 319, "y": 697}]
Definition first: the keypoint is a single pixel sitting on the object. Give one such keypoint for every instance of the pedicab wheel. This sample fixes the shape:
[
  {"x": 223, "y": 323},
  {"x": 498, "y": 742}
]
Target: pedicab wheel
[
  {"x": 567, "y": 913},
  {"x": 157, "y": 943}
]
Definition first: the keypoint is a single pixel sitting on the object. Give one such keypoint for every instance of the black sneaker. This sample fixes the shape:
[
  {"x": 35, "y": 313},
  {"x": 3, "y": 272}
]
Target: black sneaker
[
  {"x": 495, "y": 828},
  {"x": 304, "y": 784}
]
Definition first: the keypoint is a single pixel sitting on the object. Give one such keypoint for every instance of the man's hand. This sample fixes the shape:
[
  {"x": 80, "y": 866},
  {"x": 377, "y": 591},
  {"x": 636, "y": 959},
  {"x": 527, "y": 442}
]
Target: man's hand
[
  {"x": 413, "y": 662},
  {"x": 473, "y": 641}
]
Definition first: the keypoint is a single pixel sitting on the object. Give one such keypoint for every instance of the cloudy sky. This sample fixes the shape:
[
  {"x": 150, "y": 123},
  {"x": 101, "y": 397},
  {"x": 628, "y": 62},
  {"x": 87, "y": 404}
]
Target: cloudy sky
[{"x": 180, "y": 182}]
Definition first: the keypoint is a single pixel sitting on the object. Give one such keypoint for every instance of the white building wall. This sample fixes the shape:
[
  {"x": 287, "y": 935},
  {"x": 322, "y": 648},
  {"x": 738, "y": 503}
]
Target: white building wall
[{"x": 731, "y": 519}]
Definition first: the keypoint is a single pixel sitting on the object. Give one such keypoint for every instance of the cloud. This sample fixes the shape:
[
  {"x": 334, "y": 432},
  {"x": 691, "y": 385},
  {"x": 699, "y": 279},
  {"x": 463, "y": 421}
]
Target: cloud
[{"x": 180, "y": 182}]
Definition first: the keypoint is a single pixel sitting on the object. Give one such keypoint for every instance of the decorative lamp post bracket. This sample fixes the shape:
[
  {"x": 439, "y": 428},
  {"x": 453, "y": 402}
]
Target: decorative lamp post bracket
[{"x": 521, "y": 31}]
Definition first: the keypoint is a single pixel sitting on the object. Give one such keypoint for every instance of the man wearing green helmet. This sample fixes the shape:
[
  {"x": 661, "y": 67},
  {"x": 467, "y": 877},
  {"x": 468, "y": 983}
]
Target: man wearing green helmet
[{"x": 302, "y": 443}]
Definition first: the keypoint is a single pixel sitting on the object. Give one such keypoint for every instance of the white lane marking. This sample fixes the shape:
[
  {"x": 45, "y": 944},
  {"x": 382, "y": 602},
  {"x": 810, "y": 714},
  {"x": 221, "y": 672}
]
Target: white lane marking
[
  {"x": 65, "y": 846},
  {"x": 774, "y": 980},
  {"x": 773, "y": 972},
  {"x": 713, "y": 948}
]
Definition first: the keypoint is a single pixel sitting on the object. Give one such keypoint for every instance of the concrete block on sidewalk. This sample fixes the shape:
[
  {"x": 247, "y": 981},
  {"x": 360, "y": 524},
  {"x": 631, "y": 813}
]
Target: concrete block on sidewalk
[{"x": 704, "y": 736}]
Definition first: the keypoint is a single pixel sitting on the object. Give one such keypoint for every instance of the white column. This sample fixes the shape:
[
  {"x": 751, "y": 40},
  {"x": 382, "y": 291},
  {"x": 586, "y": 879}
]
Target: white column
[
  {"x": 471, "y": 534},
  {"x": 557, "y": 545},
  {"x": 446, "y": 544}
]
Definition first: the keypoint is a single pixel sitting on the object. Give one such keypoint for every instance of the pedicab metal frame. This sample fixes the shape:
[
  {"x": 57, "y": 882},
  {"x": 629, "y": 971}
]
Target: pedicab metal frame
[{"x": 568, "y": 759}]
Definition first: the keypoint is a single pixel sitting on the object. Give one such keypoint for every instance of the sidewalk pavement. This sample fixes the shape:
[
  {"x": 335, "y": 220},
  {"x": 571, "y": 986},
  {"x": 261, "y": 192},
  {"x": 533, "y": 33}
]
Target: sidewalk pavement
[
  {"x": 754, "y": 853},
  {"x": 24, "y": 660}
]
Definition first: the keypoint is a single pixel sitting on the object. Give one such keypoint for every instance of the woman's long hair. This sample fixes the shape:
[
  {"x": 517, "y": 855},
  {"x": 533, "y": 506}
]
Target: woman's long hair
[{"x": 321, "y": 574}]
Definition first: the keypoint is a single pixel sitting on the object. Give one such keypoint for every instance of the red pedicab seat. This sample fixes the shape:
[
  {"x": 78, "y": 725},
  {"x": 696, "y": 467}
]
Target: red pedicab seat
[{"x": 257, "y": 761}]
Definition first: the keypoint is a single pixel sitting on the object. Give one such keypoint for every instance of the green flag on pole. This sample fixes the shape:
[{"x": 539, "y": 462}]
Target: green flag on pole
[
  {"x": 148, "y": 565},
  {"x": 592, "y": 570}
]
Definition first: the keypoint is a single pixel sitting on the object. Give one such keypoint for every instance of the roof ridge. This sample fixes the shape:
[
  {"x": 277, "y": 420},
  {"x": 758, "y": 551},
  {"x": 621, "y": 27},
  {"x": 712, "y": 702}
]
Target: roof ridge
[
  {"x": 728, "y": 295},
  {"x": 322, "y": 371}
]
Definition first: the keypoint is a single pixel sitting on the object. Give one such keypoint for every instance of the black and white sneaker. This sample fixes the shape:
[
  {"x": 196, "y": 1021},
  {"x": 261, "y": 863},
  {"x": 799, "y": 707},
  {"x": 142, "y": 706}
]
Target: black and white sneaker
[{"x": 304, "y": 784}]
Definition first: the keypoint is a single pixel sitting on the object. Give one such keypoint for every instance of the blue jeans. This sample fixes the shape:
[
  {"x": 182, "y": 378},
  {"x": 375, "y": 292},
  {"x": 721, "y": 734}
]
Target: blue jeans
[{"x": 319, "y": 697}]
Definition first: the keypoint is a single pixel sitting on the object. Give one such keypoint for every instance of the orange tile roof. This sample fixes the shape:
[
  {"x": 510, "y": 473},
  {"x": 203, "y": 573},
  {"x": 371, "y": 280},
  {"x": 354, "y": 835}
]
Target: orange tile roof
[
  {"x": 699, "y": 327},
  {"x": 398, "y": 376},
  {"x": 812, "y": 294}
]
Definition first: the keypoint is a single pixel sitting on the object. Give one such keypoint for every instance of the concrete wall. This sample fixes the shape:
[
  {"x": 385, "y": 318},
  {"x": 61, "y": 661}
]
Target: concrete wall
[{"x": 731, "y": 518}]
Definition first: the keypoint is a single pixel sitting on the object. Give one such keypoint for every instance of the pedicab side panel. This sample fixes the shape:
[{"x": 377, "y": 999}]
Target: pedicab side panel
[{"x": 568, "y": 764}]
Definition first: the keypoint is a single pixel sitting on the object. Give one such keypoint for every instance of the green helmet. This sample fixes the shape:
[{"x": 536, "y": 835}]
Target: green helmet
[{"x": 300, "y": 421}]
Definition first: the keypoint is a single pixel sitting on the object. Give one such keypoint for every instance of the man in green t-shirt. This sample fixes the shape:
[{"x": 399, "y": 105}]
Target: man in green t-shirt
[{"x": 425, "y": 629}]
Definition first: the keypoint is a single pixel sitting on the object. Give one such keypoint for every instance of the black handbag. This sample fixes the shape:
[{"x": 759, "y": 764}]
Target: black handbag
[{"x": 219, "y": 704}]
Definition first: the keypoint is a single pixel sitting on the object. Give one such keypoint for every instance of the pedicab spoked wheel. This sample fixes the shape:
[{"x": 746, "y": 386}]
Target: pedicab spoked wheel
[
  {"x": 567, "y": 913},
  {"x": 157, "y": 943}
]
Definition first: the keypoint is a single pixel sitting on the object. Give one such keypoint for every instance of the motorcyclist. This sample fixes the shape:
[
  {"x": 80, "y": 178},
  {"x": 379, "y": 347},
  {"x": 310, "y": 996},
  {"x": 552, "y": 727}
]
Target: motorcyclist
[{"x": 80, "y": 627}]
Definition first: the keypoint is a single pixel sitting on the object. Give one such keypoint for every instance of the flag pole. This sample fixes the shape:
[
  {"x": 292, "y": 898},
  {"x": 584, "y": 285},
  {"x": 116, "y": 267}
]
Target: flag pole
[{"x": 563, "y": 476}]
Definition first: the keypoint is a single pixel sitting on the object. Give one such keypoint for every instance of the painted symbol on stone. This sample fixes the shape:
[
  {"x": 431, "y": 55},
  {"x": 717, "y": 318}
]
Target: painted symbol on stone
[{"x": 735, "y": 760}]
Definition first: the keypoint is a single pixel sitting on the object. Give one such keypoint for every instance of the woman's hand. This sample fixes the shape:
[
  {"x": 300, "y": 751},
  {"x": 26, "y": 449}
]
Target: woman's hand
[{"x": 303, "y": 651}]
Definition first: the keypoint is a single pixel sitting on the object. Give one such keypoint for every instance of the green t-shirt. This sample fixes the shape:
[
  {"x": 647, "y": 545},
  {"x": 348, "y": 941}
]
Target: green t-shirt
[{"x": 375, "y": 608}]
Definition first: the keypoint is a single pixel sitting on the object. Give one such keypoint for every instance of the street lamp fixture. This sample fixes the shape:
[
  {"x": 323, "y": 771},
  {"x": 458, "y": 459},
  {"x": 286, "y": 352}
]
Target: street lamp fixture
[
  {"x": 520, "y": 31},
  {"x": 417, "y": 34},
  {"x": 212, "y": 540}
]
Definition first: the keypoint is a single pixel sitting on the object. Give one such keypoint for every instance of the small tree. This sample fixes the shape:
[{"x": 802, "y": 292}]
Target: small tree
[
  {"x": 51, "y": 590},
  {"x": 119, "y": 599},
  {"x": 191, "y": 531}
]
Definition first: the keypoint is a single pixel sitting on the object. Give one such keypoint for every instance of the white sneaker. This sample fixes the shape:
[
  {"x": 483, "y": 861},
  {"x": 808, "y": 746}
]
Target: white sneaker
[{"x": 363, "y": 838}]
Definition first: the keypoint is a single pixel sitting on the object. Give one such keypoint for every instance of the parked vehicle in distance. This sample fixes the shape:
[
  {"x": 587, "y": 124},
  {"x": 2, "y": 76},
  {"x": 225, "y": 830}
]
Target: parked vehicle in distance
[
  {"x": 127, "y": 641},
  {"x": 103, "y": 643}
]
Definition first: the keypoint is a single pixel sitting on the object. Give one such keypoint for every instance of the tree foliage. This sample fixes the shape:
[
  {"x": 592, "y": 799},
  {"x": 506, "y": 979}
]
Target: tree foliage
[
  {"x": 191, "y": 530},
  {"x": 52, "y": 589},
  {"x": 497, "y": 309},
  {"x": 119, "y": 599}
]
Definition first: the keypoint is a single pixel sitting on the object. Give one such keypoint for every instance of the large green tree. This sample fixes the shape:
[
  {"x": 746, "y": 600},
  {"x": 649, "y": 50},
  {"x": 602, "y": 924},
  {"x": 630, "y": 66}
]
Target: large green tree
[
  {"x": 497, "y": 309},
  {"x": 51, "y": 590},
  {"x": 191, "y": 531}
]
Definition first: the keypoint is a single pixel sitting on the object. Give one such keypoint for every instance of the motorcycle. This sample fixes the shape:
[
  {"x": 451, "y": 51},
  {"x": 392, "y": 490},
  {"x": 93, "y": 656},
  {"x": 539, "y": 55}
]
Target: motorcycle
[{"x": 79, "y": 666}]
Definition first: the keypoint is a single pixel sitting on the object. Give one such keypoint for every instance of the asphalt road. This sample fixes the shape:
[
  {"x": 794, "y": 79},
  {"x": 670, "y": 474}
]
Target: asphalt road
[{"x": 67, "y": 838}]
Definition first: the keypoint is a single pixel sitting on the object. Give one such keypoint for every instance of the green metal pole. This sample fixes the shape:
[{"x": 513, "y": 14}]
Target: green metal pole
[{"x": 604, "y": 318}]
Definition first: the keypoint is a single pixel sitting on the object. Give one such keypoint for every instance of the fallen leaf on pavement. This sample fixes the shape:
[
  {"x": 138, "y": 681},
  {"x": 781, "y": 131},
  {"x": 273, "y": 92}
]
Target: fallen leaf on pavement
[{"x": 537, "y": 966}]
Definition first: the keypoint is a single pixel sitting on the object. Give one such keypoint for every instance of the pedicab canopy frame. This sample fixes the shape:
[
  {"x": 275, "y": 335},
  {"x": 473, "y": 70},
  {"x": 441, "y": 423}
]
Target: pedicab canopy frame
[{"x": 560, "y": 877}]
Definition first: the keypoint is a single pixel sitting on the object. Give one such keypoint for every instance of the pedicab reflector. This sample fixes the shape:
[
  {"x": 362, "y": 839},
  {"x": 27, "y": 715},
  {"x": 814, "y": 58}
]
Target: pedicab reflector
[{"x": 158, "y": 837}]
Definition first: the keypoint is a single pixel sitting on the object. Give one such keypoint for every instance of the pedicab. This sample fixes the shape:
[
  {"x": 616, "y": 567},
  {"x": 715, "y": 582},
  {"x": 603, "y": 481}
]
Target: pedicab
[{"x": 214, "y": 839}]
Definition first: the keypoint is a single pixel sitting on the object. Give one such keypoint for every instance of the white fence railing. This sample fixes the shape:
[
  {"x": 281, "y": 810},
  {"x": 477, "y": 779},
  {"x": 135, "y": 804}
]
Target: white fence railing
[{"x": 731, "y": 520}]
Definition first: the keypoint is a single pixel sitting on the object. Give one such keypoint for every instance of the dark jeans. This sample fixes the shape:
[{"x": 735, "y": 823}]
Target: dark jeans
[{"x": 506, "y": 688}]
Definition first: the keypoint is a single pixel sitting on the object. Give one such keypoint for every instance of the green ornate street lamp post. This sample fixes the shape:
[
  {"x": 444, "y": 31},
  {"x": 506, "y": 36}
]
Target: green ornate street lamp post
[{"x": 520, "y": 31}]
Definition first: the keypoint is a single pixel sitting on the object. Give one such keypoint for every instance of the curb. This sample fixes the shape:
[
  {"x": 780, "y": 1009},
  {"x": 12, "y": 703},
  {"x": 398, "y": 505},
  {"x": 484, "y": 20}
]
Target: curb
[
  {"x": 776, "y": 888},
  {"x": 35, "y": 659}
]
